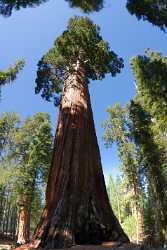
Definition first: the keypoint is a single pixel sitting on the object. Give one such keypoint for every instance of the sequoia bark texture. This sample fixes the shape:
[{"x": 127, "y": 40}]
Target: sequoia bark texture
[
  {"x": 23, "y": 226},
  {"x": 77, "y": 207}
]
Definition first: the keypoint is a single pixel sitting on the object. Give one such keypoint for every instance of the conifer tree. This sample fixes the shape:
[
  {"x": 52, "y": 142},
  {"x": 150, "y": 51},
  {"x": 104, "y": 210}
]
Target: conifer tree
[
  {"x": 149, "y": 116},
  {"x": 117, "y": 128},
  {"x": 77, "y": 207},
  {"x": 33, "y": 146},
  {"x": 154, "y": 166},
  {"x": 10, "y": 74},
  {"x": 7, "y": 6},
  {"x": 87, "y": 5},
  {"x": 150, "y": 72},
  {"x": 154, "y": 11}
]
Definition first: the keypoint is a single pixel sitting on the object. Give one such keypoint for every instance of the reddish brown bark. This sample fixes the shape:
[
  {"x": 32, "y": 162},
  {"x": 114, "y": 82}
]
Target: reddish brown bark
[
  {"x": 23, "y": 225},
  {"x": 77, "y": 208}
]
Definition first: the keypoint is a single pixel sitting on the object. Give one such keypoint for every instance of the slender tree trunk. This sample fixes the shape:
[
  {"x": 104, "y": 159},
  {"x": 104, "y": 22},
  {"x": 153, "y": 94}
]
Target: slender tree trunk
[
  {"x": 140, "y": 224},
  {"x": 77, "y": 207},
  {"x": 23, "y": 225}
]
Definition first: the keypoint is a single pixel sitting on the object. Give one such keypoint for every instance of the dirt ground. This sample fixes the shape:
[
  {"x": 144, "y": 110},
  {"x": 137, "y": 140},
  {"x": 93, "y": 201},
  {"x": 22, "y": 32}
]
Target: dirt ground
[{"x": 8, "y": 245}]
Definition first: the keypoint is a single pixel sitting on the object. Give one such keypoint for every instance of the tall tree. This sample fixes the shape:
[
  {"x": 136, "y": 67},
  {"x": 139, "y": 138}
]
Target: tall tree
[
  {"x": 154, "y": 11},
  {"x": 25, "y": 154},
  {"x": 9, "y": 123},
  {"x": 77, "y": 207},
  {"x": 10, "y": 74},
  {"x": 33, "y": 146},
  {"x": 117, "y": 128},
  {"x": 154, "y": 165},
  {"x": 150, "y": 116}
]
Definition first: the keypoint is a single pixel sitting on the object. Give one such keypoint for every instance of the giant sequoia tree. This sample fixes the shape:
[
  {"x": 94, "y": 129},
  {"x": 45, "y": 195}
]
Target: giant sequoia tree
[{"x": 77, "y": 206}]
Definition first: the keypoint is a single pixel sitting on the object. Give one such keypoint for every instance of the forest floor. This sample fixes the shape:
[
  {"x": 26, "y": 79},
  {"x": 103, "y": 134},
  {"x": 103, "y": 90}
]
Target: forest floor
[{"x": 8, "y": 245}]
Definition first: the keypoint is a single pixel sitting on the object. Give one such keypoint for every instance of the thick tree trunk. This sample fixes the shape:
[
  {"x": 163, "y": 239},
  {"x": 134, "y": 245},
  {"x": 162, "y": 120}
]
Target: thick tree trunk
[
  {"x": 23, "y": 225},
  {"x": 77, "y": 207}
]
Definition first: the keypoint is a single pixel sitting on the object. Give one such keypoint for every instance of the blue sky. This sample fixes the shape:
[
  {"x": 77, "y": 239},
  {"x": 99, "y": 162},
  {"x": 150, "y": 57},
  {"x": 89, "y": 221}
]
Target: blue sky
[{"x": 30, "y": 32}]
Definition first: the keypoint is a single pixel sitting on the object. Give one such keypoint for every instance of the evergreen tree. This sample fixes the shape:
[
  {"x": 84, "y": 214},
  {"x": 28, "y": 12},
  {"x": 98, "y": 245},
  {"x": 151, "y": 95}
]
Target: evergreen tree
[
  {"x": 122, "y": 200},
  {"x": 33, "y": 145},
  {"x": 154, "y": 11},
  {"x": 154, "y": 167},
  {"x": 87, "y": 5},
  {"x": 150, "y": 72},
  {"x": 7, "y": 6},
  {"x": 9, "y": 123},
  {"x": 10, "y": 74},
  {"x": 77, "y": 208},
  {"x": 117, "y": 128}
]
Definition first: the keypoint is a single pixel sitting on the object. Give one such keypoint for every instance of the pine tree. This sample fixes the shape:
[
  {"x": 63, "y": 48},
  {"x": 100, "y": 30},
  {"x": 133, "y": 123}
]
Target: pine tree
[
  {"x": 77, "y": 208},
  {"x": 154, "y": 11}
]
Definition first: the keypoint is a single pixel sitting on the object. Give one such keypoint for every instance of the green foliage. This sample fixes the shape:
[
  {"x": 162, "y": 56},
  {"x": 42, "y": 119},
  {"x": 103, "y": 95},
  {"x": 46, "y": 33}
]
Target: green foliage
[
  {"x": 10, "y": 74},
  {"x": 9, "y": 123},
  {"x": 129, "y": 225},
  {"x": 7, "y": 6},
  {"x": 150, "y": 72},
  {"x": 82, "y": 43},
  {"x": 121, "y": 199},
  {"x": 33, "y": 146},
  {"x": 154, "y": 161},
  {"x": 36, "y": 208},
  {"x": 87, "y": 5},
  {"x": 25, "y": 150},
  {"x": 117, "y": 128},
  {"x": 154, "y": 11}
]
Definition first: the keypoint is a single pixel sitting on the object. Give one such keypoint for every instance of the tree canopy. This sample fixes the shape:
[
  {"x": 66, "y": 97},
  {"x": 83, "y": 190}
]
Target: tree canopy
[
  {"x": 7, "y": 6},
  {"x": 87, "y": 5},
  {"x": 154, "y": 11},
  {"x": 150, "y": 73},
  {"x": 82, "y": 43}
]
